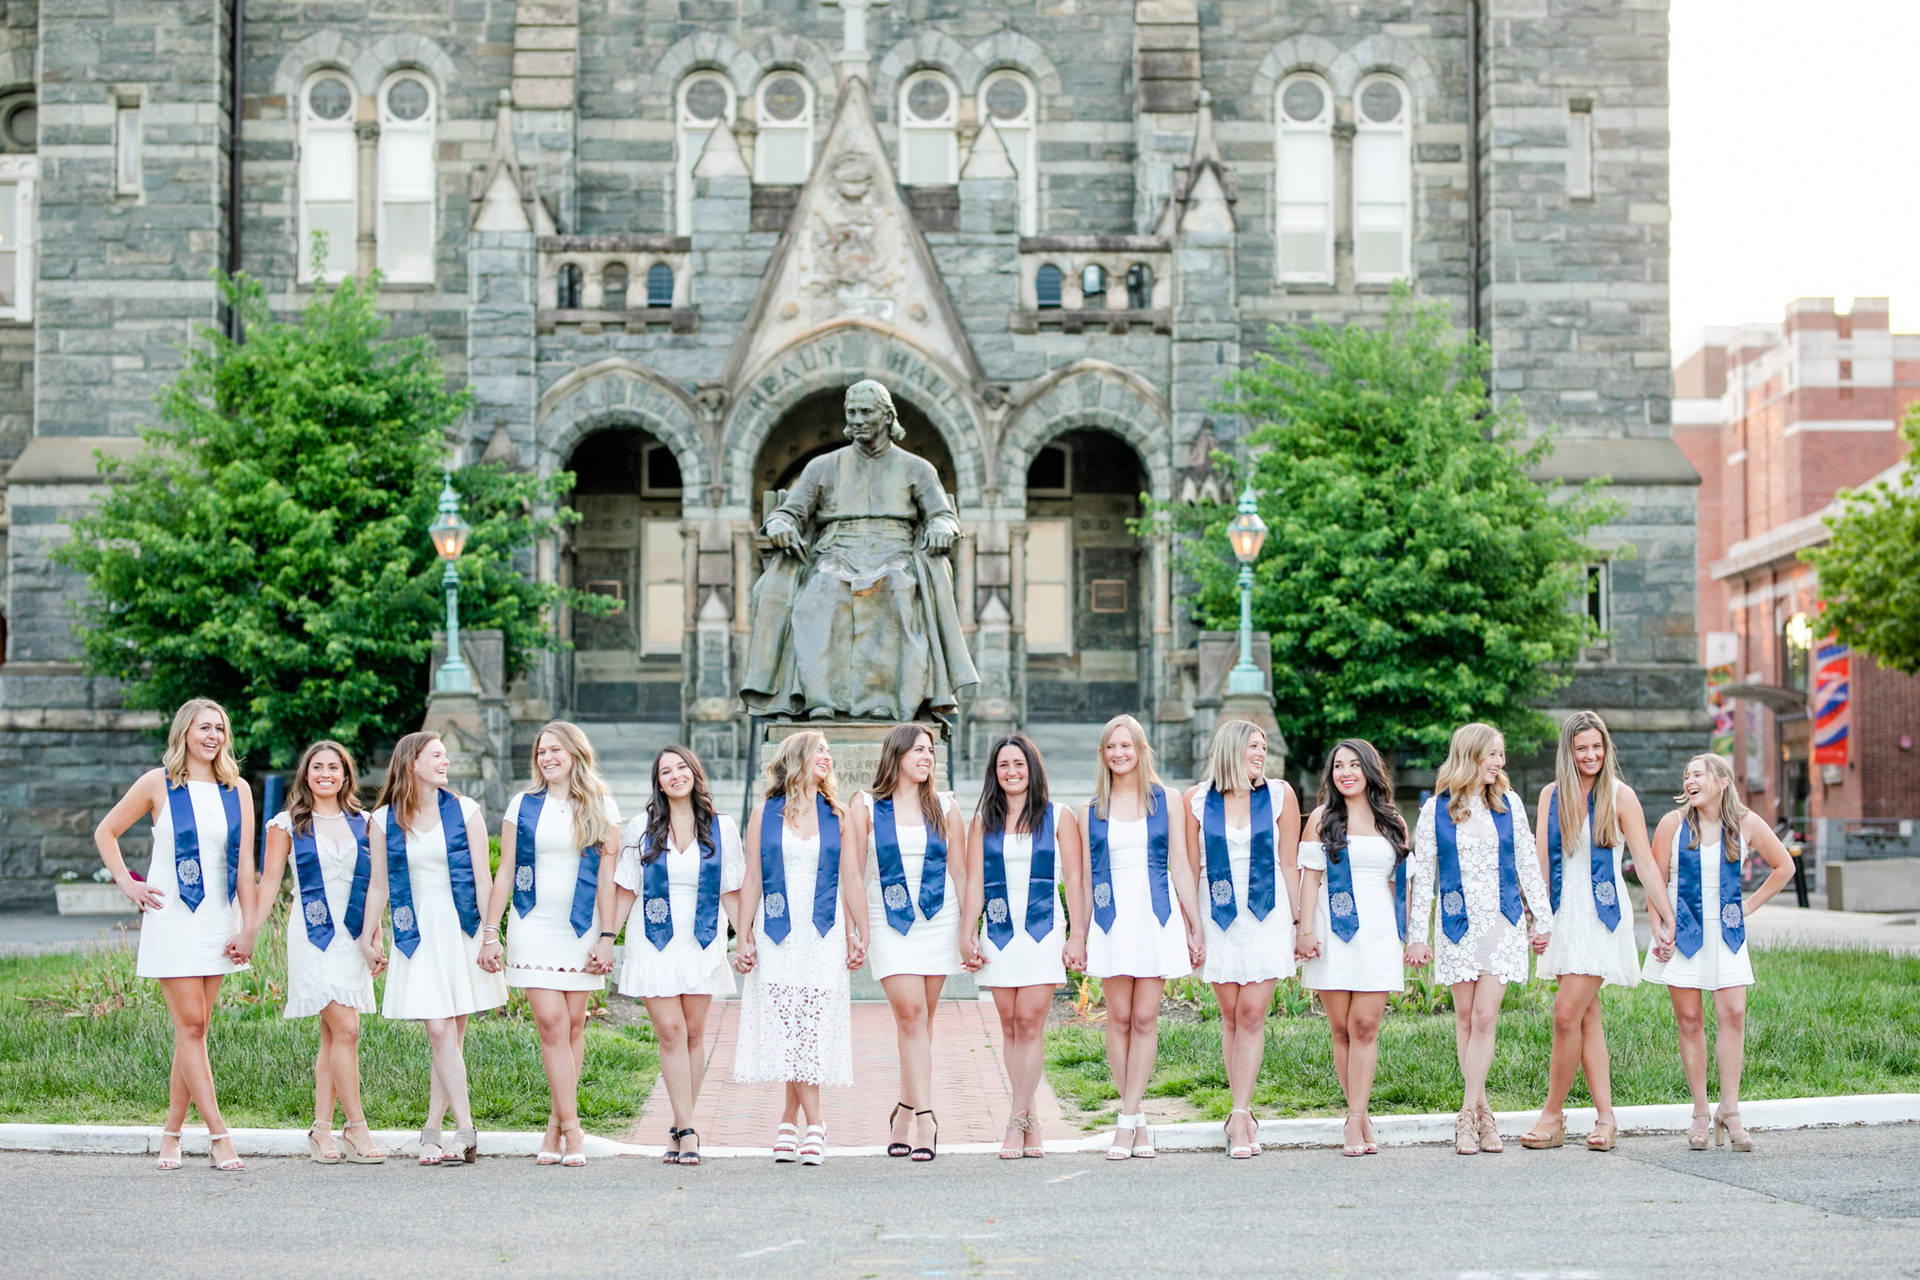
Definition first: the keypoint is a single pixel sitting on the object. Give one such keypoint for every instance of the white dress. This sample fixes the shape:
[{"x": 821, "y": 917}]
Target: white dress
[
  {"x": 1138, "y": 945},
  {"x": 176, "y": 942},
  {"x": 1372, "y": 961},
  {"x": 542, "y": 949},
  {"x": 929, "y": 947},
  {"x": 1493, "y": 947},
  {"x": 1026, "y": 962},
  {"x": 683, "y": 967},
  {"x": 338, "y": 975},
  {"x": 1715, "y": 966},
  {"x": 443, "y": 977},
  {"x": 795, "y": 1022},
  {"x": 1250, "y": 949},
  {"x": 1580, "y": 943}
]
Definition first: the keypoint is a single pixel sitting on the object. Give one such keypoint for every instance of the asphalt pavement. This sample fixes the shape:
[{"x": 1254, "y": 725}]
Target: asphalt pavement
[{"x": 1835, "y": 1202}]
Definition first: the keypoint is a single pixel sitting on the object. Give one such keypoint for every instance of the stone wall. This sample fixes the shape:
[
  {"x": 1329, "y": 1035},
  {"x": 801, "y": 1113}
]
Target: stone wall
[{"x": 59, "y": 774}]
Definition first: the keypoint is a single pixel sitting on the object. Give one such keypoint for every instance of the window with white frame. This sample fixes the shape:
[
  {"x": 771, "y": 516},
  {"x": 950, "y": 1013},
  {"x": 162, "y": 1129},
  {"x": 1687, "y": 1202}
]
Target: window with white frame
[
  {"x": 1382, "y": 181},
  {"x": 129, "y": 148},
  {"x": 18, "y": 175},
  {"x": 1049, "y": 586},
  {"x": 1007, "y": 99},
  {"x": 929, "y": 142},
  {"x": 1303, "y": 180},
  {"x": 407, "y": 178},
  {"x": 783, "y": 148},
  {"x": 329, "y": 177},
  {"x": 1580, "y": 150},
  {"x": 705, "y": 101}
]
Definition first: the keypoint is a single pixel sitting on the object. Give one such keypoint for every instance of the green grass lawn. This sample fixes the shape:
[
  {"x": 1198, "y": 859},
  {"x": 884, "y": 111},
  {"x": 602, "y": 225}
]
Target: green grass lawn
[
  {"x": 83, "y": 1040},
  {"x": 1818, "y": 1023}
]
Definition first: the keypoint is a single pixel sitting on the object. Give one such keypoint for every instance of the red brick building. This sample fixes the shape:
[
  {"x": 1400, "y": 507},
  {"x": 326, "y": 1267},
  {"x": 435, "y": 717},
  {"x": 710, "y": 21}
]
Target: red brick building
[{"x": 1778, "y": 418}]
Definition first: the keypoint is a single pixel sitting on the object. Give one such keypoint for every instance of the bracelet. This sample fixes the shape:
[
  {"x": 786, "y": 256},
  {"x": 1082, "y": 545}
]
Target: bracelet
[
  {"x": 491, "y": 931},
  {"x": 608, "y": 934}
]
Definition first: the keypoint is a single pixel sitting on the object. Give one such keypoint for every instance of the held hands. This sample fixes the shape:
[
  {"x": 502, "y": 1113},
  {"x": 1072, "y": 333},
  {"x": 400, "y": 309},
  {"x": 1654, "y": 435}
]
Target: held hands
[
  {"x": 600, "y": 960},
  {"x": 239, "y": 948},
  {"x": 1305, "y": 945},
  {"x": 1074, "y": 956},
  {"x": 1538, "y": 941},
  {"x": 491, "y": 953},
  {"x": 856, "y": 950},
  {"x": 139, "y": 892},
  {"x": 744, "y": 955},
  {"x": 1196, "y": 948},
  {"x": 1419, "y": 955},
  {"x": 1663, "y": 942},
  {"x": 370, "y": 950},
  {"x": 971, "y": 956}
]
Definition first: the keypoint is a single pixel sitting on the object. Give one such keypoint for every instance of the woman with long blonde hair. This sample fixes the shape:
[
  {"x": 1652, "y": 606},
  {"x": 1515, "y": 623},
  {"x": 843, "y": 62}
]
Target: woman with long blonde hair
[
  {"x": 804, "y": 927},
  {"x": 558, "y": 842},
  {"x": 323, "y": 834},
  {"x": 1697, "y": 853},
  {"x": 1588, "y": 818},
  {"x": 913, "y": 901},
  {"x": 1474, "y": 843},
  {"x": 197, "y": 902},
  {"x": 428, "y": 848},
  {"x": 1137, "y": 867},
  {"x": 1243, "y": 835}
]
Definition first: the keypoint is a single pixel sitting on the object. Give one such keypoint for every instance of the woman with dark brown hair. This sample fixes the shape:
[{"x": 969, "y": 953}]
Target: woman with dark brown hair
[
  {"x": 918, "y": 844},
  {"x": 682, "y": 862},
  {"x": 323, "y": 833},
  {"x": 429, "y": 855}
]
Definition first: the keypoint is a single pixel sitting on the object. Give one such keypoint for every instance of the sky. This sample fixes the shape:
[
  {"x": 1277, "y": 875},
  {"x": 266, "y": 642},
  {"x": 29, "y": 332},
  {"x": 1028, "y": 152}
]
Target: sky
[{"x": 1796, "y": 157}]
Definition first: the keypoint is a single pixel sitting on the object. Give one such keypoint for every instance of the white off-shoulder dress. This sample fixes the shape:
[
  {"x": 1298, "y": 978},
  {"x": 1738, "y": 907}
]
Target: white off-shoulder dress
[
  {"x": 542, "y": 948},
  {"x": 176, "y": 942},
  {"x": 1026, "y": 961},
  {"x": 1715, "y": 966},
  {"x": 1493, "y": 947},
  {"x": 1373, "y": 959},
  {"x": 929, "y": 947},
  {"x": 795, "y": 1020},
  {"x": 683, "y": 967},
  {"x": 443, "y": 977},
  {"x": 1138, "y": 945},
  {"x": 339, "y": 974},
  {"x": 1249, "y": 949},
  {"x": 1581, "y": 943}
]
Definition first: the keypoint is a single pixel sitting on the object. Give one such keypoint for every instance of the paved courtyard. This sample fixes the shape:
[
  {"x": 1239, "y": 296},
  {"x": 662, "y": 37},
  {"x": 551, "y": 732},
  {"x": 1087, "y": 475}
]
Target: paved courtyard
[{"x": 1842, "y": 1203}]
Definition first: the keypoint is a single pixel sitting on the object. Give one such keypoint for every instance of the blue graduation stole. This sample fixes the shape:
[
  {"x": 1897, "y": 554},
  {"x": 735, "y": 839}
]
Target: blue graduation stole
[
  {"x": 1343, "y": 912},
  {"x": 893, "y": 873},
  {"x": 773, "y": 869},
  {"x": 453, "y": 827},
  {"x": 1260, "y": 865},
  {"x": 1039, "y": 883},
  {"x": 187, "y": 872},
  {"x": 585, "y": 885},
  {"x": 1453, "y": 899},
  {"x": 1102, "y": 870},
  {"x": 1606, "y": 895},
  {"x": 657, "y": 906},
  {"x": 313, "y": 887},
  {"x": 1689, "y": 927}
]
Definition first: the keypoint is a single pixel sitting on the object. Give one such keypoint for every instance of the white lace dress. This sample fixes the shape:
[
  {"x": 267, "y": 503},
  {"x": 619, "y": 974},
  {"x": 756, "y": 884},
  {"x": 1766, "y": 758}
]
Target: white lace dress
[
  {"x": 795, "y": 1022},
  {"x": 1026, "y": 962},
  {"x": 683, "y": 967},
  {"x": 928, "y": 947},
  {"x": 1372, "y": 961},
  {"x": 1138, "y": 945},
  {"x": 175, "y": 941},
  {"x": 1580, "y": 943},
  {"x": 338, "y": 975},
  {"x": 1493, "y": 946},
  {"x": 443, "y": 977},
  {"x": 1715, "y": 966},
  {"x": 1250, "y": 949},
  {"x": 542, "y": 949}
]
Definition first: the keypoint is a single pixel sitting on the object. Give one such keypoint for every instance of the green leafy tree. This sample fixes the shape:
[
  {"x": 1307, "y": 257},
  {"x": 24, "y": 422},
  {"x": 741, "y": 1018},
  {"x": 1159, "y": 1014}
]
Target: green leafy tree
[
  {"x": 268, "y": 547},
  {"x": 1870, "y": 568},
  {"x": 1414, "y": 578}
]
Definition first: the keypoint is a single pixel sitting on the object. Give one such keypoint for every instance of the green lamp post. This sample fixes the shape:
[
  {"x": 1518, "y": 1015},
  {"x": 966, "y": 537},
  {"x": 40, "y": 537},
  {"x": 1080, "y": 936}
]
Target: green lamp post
[
  {"x": 1247, "y": 533},
  {"x": 449, "y": 533}
]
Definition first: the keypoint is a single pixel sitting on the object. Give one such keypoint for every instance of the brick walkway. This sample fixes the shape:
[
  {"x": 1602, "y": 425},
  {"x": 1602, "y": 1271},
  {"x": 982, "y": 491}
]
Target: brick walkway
[{"x": 969, "y": 1085}]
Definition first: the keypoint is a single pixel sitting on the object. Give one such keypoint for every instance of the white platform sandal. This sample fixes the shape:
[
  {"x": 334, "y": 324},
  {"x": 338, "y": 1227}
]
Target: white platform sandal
[
  {"x": 814, "y": 1149},
  {"x": 1125, "y": 1124},
  {"x": 786, "y": 1143}
]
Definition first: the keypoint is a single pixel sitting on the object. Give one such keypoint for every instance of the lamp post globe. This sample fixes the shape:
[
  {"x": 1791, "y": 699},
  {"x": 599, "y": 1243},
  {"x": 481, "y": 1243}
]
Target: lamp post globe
[
  {"x": 1247, "y": 533},
  {"x": 449, "y": 533}
]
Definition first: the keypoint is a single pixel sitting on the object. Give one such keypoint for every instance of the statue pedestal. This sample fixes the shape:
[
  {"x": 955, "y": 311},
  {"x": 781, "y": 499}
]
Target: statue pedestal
[{"x": 856, "y": 749}]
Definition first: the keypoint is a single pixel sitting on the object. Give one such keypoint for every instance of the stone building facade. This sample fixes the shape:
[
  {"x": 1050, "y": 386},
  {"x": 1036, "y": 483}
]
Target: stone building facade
[{"x": 657, "y": 237}]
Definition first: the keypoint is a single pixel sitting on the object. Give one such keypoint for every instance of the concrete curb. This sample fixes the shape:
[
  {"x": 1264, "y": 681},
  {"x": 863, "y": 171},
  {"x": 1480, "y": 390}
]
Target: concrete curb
[{"x": 1312, "y": 1131}]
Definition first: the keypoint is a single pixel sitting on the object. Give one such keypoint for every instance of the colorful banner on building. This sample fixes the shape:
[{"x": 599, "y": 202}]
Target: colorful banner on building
[
  {"x": 1832, "y": 703},
  {"x": 1721, "y": 708}
]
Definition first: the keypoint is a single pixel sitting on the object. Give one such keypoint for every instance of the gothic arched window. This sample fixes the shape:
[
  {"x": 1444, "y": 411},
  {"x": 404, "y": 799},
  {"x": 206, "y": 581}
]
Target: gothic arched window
[
  {"x": 783, "y": 153},
  {"x": 929, "y": 143},
  {"x": 1303, "y": 180},
  {"x": 329, "y": 177},
  {"x": 1046, "y": 287},
  {"x": 659, "y": 285},
  {"x": 407, "y": 178},
  {"x": 1382, "y": 181},
  {"x": 704, "y": 101},
  {"x": 1007, "y": 99}
]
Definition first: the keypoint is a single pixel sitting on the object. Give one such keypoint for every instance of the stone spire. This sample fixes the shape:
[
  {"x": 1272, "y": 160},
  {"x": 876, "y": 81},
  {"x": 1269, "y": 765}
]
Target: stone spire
[
  {"x": 988, "y": 159},
  {"x": 1207, "y": 198},
  {"x": 721, "y": 157},
  {"x": 502, "y": 206}
]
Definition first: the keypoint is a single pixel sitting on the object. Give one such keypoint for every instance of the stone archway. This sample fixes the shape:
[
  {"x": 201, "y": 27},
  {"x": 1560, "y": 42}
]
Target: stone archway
[
  {"x": 618, "y": 392},
  {"x": 1090, "y": 393}
]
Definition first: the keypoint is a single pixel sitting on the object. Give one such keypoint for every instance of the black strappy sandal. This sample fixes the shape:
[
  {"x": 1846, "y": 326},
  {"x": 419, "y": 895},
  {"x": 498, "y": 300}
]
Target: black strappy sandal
[
  {"x": 689, "y": 1157},
  {"x": 923, "y": 1154},
  {"x": 672, "y": 1154},
  {"x": 899, "y": 1148}
]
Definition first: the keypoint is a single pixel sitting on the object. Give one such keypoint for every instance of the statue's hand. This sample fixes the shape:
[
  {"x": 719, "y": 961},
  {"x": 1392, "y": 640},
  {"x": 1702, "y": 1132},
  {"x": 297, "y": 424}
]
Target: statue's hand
[
  {"x": 787, "y": 538},
  {"x": 940, "y": 536}
]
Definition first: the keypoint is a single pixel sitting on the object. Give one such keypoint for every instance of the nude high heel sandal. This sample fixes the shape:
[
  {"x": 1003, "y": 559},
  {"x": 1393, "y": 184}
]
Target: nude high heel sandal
[
  {"x": 1555, "y": 1135},
  {"x": 1727, "y": 1128},
  {"x": 315, "y": 1154},
  {"x": 236, "y": 1164},
  {"x": 1697, "y": 1134},
  {"x": 1489, "y": 1130},
  {"x": 1603, "y": 1135},
  {"x": 1464, "y": 1143},
  {"x": 167, "y": 1164}
]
